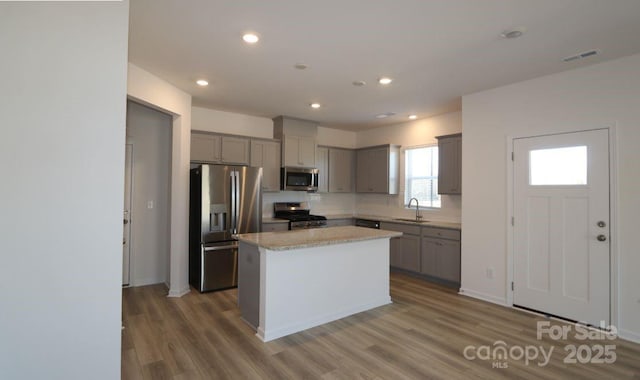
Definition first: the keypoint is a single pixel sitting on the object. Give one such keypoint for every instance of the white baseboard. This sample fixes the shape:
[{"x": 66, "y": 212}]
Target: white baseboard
[
  {"x": 178, "y": 292},
  {"x": 279, "y": 332},
  {"x": 629, "y": 335},
  {"x": 146, "y": 281},
  {"x": 484, "y": 297}
]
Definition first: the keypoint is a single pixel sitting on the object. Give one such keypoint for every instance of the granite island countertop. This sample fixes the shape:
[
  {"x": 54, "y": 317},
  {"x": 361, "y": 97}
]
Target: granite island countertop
[{"x": 313, "y": 237}]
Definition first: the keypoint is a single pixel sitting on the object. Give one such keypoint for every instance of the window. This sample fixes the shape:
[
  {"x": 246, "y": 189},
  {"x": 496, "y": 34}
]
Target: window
[
  {"x": 558, "y": 166},
  {"x": 421, "y": 176}
]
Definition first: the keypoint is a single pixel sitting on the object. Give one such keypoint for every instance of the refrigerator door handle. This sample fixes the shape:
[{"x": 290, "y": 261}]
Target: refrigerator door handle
[
  {"x": 234, "y": 202},
  {"x": 235, "y": 227}
]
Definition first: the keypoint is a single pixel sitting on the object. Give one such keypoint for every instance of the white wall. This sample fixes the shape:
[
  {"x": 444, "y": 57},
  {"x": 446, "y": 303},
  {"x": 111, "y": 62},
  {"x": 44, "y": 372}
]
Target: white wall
[
  {"x": 596, "y": 96},
  {"x": 210, "y": 120},
  {"x": 62, "y": 111},
  {"x": 410, "y": 134},
  {"x": 336, "y": 137},
  {"x": 150, "y": 133},
  {"x": 148, "y": 89},
  {"x": 205, "y": 119}
]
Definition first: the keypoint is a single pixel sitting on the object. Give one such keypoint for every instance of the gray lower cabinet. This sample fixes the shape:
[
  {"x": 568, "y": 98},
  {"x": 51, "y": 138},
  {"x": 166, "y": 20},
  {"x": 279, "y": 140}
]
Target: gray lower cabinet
[
  {"x": 441, "y": 258},
  {"x": 404, "y": 251},
  {"x": 441, "y": 253},
  {"x": 431, "y": 251}
]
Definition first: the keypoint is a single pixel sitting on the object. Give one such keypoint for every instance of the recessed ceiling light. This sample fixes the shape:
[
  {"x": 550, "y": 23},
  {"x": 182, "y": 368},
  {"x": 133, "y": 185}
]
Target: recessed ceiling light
[
  {"x": 300, "y": 66},
  {"x": 413, "y": 117},
  {"x": 202, "y": 82},
  {"x": 385, "y": 80},
  {"x": 251, "y": 38},
  {"x": 512, "y": 33},
  {"x": 358, "y": 83},
  {"x": 385, "y": 115},
  {"x": 315, "y": 105}
]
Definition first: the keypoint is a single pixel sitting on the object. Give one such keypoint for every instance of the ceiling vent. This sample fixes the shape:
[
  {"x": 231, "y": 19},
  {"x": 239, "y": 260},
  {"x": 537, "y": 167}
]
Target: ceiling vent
[{"x": 586, "y": 54}]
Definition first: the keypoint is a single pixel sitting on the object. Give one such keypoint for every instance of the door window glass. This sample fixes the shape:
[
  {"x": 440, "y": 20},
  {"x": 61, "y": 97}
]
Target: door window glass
[{"x": 558, "y": 166}]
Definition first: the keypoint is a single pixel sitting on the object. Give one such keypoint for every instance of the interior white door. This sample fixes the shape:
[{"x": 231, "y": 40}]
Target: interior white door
[
  {"x": 126, "y": 220},
  {"x": 561, "y": 225}
]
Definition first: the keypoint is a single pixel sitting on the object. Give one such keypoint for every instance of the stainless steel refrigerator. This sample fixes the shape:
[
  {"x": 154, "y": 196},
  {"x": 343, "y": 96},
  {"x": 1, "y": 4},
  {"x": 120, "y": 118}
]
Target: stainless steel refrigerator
[{"x": 224, "y": 201}]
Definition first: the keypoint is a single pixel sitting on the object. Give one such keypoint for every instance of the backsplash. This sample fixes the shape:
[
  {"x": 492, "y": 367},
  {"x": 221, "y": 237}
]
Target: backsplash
[
  {"x": 364, "y": 204},
  {"x": 393, "y": 206},
  {"x": 320, "y": 203}
]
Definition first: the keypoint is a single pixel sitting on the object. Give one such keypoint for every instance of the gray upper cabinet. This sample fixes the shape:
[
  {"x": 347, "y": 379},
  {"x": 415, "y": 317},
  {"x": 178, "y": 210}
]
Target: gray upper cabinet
[
  {"x": 450, "y": 164},
  {"x": 205, "y": 147},
  {"x": 298, "y": 141},
  {"x": 322, "y": 164},
  {"x": 341, "y": 170},
  {"x": 377, "y": 169},
  {"x": 299, "y": 151},
  {"x": 219, "y": 149},
  {"x": 266, "y": 154},
  {"x": 336, "y": 169},
  {"x": 235, "y": 150}
]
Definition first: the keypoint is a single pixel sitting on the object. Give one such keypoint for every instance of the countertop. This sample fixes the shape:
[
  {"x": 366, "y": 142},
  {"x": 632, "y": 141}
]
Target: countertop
[
  {"x": 314, "y": 237},
  {"x": 430, "y": 223}
]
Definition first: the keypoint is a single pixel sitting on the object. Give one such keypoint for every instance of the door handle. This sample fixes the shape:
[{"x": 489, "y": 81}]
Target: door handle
[
  {"x": 124, "y": 221},
  {"x": 601, "y": 224},
  {"x": 220, "y": 248},
  {"x": 602, "y": 238}
]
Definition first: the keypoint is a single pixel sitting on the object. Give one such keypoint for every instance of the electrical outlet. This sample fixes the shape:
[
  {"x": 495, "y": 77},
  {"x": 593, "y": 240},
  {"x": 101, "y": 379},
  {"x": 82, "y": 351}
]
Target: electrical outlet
[
  {"x": 149, "y": 205},
  {"x": 490, "y": 273}
]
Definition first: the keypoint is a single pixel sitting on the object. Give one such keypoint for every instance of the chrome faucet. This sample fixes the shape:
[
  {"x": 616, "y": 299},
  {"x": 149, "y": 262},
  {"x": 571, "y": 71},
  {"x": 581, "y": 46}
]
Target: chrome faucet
[{"x": 418, "y": 216}]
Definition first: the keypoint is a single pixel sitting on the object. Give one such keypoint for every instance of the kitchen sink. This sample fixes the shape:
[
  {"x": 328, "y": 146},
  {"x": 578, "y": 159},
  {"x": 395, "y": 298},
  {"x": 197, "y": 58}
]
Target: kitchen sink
[{"x": 413, "y": 220}]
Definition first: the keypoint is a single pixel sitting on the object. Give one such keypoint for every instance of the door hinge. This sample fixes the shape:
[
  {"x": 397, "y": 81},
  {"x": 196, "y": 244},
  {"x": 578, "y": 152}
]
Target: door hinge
[
  {"x": 513, "y": 156},
  {"x": 513, "y": 221},
  {"x": 512, "y": 286}
]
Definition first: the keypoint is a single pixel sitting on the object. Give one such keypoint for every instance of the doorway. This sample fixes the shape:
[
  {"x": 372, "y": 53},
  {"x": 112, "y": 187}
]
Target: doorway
[
  {"x": 126, "y": 217},
  {"x": 561, "y": 225},
  {"x": 149, "y": 130}
]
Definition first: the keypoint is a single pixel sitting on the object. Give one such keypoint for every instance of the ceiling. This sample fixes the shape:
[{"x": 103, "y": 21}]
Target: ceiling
[{"x": 435, "y": 51}]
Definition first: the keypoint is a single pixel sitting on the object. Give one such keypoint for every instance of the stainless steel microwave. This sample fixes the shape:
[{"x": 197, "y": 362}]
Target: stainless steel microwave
[{"x": 299, "y": 179}]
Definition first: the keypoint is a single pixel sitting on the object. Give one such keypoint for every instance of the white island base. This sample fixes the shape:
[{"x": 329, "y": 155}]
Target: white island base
[{"x": 284, "y": 289}]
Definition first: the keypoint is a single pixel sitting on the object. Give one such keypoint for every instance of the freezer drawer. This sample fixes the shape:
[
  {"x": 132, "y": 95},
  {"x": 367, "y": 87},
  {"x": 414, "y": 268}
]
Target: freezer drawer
[{"x": 219, "y": 266}]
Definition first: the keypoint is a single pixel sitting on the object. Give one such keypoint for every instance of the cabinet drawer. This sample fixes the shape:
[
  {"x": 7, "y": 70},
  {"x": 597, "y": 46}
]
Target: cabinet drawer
[
  {"x": 442, "y": 233},
  {"x": 399, "y": 227}
]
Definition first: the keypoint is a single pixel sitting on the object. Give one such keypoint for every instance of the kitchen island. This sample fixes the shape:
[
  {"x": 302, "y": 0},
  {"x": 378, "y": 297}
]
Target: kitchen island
[{"x": 290, "y": 281}]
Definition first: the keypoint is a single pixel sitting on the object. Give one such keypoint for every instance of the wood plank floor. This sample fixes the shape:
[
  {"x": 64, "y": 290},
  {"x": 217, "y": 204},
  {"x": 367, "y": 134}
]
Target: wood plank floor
[{"x": 422, "y": 335}]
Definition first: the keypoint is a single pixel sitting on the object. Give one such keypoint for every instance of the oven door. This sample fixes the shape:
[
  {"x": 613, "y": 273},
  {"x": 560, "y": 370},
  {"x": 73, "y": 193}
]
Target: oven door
[{"x": 299, "y": 179}]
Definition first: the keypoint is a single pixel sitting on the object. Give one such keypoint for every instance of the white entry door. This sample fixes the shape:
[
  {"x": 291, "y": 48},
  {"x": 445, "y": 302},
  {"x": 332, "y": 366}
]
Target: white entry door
[
  {"x": 561, "y": 225},
  {"x": 126, "y": 220}
]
